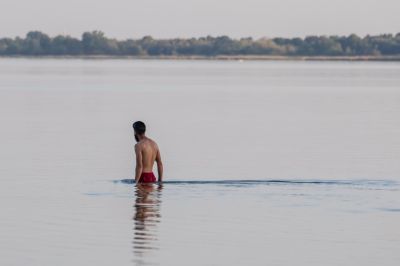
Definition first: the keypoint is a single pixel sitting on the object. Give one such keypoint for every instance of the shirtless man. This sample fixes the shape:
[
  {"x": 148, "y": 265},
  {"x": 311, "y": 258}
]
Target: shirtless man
[{"x": 147, "y": 153}]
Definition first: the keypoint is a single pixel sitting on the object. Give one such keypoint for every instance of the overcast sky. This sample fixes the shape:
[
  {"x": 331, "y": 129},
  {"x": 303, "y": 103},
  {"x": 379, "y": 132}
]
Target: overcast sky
[{"x": 194, "y": 18}]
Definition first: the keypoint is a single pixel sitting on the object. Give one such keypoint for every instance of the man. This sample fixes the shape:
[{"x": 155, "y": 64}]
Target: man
[{"x": 147, "y": 153}]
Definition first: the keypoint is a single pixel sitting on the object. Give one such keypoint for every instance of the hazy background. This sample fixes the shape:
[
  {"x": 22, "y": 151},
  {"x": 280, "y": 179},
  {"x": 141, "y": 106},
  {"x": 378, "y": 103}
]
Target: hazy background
[{"x": 194, "y": 18}]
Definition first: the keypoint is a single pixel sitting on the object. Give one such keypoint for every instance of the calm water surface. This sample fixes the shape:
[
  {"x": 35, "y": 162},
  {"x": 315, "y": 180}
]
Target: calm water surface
[{"x": 267, "y": 163}]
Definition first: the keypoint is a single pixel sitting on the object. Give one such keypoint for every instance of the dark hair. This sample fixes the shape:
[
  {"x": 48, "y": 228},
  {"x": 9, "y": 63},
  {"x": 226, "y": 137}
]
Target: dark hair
[{"x": 139, "y": 127}]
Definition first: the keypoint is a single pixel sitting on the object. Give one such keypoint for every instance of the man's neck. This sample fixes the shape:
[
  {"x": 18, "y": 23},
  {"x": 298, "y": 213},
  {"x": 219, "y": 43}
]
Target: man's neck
[{"x": 142, "y": 137}]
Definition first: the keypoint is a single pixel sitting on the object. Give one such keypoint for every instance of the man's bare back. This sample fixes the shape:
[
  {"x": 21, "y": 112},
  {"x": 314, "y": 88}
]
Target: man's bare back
[{"x": 147, "y": 152}]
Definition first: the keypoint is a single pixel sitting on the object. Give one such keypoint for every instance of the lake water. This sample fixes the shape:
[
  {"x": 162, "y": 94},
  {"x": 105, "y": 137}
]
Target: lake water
[{"x": 266, "y": 163}]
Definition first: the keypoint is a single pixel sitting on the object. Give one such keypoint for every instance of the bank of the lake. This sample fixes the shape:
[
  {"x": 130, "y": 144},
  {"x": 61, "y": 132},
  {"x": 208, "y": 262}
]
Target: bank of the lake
[{"x": 219, "y": 57}]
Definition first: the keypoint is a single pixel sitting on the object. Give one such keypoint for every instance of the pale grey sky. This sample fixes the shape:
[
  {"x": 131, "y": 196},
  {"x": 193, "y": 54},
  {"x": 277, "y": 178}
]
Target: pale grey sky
[{"x": 194, "y": 18}]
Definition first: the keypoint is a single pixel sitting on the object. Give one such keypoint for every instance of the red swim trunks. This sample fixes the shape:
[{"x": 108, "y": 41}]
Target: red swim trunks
[{"x": 147, "y": 178}]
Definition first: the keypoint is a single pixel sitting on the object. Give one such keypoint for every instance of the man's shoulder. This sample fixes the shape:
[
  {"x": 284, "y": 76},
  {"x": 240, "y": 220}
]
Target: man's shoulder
[
  {"x": 138, "y": 146},
  {"x": 153, "y": 143}
]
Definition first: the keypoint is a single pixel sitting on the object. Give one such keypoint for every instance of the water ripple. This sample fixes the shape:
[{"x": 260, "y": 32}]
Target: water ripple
[{"x": 350, "y": 183}]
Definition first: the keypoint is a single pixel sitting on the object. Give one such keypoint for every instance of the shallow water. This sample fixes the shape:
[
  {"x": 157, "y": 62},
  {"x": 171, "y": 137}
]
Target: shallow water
[{"x": 278, "y": 163}]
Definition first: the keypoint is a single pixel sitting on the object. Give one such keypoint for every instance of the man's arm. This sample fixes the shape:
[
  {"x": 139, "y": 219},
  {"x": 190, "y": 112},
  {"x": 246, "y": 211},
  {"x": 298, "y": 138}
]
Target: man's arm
[
  {"x": 160, "y": 168},
  {"x": 139, "y": 163}
]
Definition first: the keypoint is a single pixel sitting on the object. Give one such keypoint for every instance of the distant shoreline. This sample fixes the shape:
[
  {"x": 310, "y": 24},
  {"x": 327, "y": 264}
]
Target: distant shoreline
[
  {"x": 95, "y": 45},
  {"x": 216, "y": 58}
]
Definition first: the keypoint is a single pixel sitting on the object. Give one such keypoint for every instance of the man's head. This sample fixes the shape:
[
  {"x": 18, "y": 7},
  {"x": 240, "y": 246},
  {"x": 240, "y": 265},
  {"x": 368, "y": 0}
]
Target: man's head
[{"x": 140, "y": 128}]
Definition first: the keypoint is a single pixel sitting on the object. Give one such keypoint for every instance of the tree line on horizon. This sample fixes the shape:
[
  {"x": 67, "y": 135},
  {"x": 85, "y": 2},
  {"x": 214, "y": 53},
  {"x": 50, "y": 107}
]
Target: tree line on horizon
[{"x": 37, "y": 43}]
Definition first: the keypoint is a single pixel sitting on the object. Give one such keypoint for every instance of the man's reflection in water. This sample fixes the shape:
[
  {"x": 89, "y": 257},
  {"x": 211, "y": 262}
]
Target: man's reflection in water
[{"x": 147, "y": 216}]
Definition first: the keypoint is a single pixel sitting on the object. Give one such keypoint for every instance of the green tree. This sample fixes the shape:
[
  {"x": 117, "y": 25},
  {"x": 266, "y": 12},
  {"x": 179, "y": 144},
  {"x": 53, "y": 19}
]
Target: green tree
[
  {"x": 66, "y": 45},
  {"x": 36, "y": 43},
  {"x": 96, "y": 43}
]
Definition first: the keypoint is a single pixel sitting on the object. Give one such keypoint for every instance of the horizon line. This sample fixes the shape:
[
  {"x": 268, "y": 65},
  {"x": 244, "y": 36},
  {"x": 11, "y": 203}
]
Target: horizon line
[{"x": 203, "y": 36}]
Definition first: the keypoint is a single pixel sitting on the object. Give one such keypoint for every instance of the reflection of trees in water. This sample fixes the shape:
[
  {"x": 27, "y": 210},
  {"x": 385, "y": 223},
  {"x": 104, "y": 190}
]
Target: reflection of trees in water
[{"x": 147, "y": 216}]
